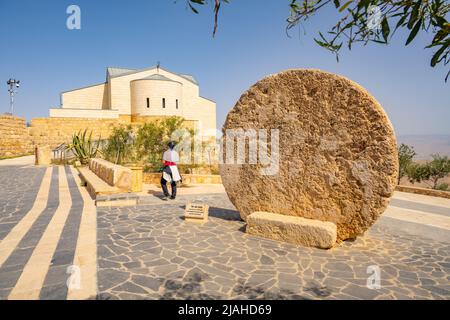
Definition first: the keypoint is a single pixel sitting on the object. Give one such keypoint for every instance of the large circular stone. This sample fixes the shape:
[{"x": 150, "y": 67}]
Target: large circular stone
[{"x": 337, "y": 151}]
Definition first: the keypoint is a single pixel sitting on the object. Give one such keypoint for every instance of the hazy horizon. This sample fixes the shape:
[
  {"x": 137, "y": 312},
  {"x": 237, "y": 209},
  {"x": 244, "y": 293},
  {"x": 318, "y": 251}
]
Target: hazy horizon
[{"x": 427, "y": 145}]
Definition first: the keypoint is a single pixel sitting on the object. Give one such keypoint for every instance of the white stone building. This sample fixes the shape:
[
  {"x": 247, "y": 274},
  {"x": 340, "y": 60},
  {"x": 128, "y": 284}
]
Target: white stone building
[{"x": 140, "y": 93}]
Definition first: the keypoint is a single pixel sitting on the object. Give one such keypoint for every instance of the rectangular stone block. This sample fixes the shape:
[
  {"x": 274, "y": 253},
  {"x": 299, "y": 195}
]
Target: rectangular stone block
[
  {"x": 114, "y": 175},
  {"x": 43, "y": 156},
  {"x": 295, "y": 230},
  {"x": 196, "y": 212},
  {"x": 137, "y": 177}
]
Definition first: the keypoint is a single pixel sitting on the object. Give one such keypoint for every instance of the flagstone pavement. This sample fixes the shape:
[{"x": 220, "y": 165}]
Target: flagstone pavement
[{"x": 51, "y": 234}]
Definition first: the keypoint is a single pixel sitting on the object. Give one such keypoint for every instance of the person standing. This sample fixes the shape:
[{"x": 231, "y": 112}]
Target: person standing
[{"x": 170, "y": 171}]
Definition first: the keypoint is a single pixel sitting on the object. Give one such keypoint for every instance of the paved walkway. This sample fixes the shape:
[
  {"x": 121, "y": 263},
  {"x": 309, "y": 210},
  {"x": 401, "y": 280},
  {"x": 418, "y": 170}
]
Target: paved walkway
[
  {"x": 51, "y": 234},
  {"x": 40, "y": 244}
]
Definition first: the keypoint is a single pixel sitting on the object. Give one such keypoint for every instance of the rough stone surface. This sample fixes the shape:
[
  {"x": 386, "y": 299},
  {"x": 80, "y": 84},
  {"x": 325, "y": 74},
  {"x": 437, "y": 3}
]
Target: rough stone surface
[
  {"x": 43, "y": 155},
  {"x": 114, "y": 175},
  {"x": 337, "y": 150},
  {"x": 14, "y": 140},
  {"x": 296, "y": 230},
  {"x": 218, "y": 260},
  {"x": 150, "y": 248}
]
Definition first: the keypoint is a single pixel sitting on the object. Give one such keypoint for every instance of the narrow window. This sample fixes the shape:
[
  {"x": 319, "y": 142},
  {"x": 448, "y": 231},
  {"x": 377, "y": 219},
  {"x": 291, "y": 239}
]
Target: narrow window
[
  {"x": 176, "y": 103},
  {"x": 164, "y": 102},
  {"x": 148, "y": 102}
]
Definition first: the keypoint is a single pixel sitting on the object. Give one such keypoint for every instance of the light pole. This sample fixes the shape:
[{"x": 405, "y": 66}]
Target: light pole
[{"x": 13, "y": 85}]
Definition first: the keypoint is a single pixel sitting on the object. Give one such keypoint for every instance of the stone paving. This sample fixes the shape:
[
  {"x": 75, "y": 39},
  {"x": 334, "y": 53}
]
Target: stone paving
[
  {"x": 54, "y": 285},
  {"x": 18, "y": 190},
  {"x": 149, "y": 252}
]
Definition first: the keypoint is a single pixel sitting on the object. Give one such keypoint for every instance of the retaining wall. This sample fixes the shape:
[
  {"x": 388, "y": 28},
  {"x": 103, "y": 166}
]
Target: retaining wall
[{"x": 14, "y": 138}]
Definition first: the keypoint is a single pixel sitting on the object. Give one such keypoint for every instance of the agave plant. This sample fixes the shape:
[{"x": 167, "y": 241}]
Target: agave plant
[{"x": 83, "y": 147}]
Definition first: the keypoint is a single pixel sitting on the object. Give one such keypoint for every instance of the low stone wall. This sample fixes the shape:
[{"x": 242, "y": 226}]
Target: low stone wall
[
  {"x": 54, "y": 131},
  {"x": 114, "y": 175},
  {"x": 424, "y": 191},
  {"x": 18, "y": 139},
  {"x": 154, "y": 178},
  {"x": 14, "y": 139},
  {"x": 137, "y": 119}
]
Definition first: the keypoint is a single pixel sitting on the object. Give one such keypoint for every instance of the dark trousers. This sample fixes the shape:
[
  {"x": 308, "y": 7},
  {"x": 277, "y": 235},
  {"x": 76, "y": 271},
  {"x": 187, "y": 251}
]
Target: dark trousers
[{"x": 164, "y": 187}]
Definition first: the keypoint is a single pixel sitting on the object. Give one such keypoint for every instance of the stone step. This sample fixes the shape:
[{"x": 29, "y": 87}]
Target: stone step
[{"x": 117, "y": 200}]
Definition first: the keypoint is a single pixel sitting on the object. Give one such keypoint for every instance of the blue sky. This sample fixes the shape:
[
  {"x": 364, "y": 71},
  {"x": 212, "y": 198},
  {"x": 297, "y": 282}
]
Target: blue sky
[{"x": 38, "y": 49}]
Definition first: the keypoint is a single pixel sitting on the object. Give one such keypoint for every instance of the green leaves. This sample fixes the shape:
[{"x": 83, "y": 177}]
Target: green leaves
[
  {"x": 356, "y": 23},
  {"x": 414, "y": 31},
  {"x": 431, "y": 171},
  {"x": 200, "y": 2},
  {"x": 385, "y": 29},
  {"x": 405, "y": 159},
  {"x": 437, "y": 57},
  {"x": 118, "y": 148},
  {"x": 345, "y": 6},
  {"x": 150, "y": 141},
  {"x": 83, "y": 148},
  {"x": 217, "y": 6},
  {"x": 414, "y": 14}
]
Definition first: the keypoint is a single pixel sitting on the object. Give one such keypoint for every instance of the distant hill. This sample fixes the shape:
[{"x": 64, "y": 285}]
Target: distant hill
[{"x": 426, "y": 145}]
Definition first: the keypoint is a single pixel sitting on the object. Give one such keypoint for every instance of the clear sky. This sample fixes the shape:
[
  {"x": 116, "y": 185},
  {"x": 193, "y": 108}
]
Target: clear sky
[{"x": 38, "y": 49}]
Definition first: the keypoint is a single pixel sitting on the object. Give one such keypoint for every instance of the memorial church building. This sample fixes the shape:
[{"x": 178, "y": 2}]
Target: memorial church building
[{"x": 135, "y": 95}]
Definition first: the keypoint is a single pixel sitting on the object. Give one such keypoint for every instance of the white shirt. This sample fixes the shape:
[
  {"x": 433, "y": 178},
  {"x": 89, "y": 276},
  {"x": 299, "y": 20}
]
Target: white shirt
[{"x": 171, "y": 156}]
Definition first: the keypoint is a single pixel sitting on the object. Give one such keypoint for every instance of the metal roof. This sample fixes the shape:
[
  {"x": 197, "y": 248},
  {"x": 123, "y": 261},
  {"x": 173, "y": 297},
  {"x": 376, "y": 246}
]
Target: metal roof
[
  {"x": 118, "y": 72},
  {"x": 158, "y": 77},
  {"x": 114, "y": 72},
  {"x": 188, "y": 77}
]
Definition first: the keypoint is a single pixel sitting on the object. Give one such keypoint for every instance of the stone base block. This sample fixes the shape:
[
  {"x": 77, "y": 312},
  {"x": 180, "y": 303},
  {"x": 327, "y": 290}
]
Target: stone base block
[
  {"x": 196, "y": 212},
  {"x": 199, "y": 221},
  {"x": 295, "y": 230},
  {"x": 114, "y": 175},
  {"x": 137, "y": 174},
  {"x": 43, "y": 156}
]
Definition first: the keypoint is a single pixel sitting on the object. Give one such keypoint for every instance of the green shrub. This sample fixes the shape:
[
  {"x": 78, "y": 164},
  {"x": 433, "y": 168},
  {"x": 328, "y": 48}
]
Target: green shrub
[
  {"x": 405, "y": 160},
  {"x": 145, "y": 144},
  {"x": 83, "y": 147},
  {"x": 443, "y": 187},
  {"x": 120, "y": 146},
  {"x": 432, "y": 171}
]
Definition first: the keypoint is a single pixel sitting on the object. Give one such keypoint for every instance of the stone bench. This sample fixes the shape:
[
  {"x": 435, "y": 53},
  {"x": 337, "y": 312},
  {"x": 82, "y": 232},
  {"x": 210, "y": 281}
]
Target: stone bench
[
  {"x": 114, "y": 175},
  {"x": 109, "y": 184},
  {"x": 95, "y": 185},
  {"x": 292, "y": 229},
  {"x": 104, "y": 194}
]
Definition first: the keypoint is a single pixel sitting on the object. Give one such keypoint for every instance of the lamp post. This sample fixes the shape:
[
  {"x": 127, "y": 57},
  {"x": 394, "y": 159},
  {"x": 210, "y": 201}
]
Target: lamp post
[{"x": 13, "y": 85}]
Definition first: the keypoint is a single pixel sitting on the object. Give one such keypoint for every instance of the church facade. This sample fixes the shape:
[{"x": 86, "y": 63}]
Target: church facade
[{"x": 138, "y": 95}]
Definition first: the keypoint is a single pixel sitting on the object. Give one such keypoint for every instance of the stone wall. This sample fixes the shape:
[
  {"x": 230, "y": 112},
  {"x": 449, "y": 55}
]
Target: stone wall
[
  {"x": 14, "y": 139},
  {"x": 188, "y": 179},
  {"x": 424, "y": 191},
  {"x": 54, "y": 131},
  {"x": 17, "y": 139}
]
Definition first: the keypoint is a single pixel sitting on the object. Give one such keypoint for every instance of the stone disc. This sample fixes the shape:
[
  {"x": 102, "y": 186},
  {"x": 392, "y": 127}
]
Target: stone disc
[{"x": 337, "y": 151}]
